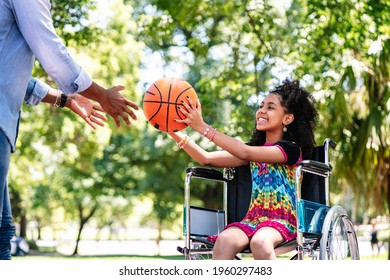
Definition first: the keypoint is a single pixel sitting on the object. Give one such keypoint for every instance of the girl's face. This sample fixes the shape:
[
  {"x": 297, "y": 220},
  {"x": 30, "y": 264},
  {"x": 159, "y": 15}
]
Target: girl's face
[{"x": 271, "y": 115}]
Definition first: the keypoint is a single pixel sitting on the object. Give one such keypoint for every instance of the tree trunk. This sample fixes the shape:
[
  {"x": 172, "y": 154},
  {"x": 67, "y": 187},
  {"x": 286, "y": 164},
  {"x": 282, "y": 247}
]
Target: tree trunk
[
  {"x": 23, "y": 225},
  {"x": 388, "y": 204},
  {"x": 39, "y": 229},
  {"x": 76, "y": 248},
  {"x": 388, "y": 246},
  {"x": 159, "y": 237},
  {"x": 83, "y": 220}
]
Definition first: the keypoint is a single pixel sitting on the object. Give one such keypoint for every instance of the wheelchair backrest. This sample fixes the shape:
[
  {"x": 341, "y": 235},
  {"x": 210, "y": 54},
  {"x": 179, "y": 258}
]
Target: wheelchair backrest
[
  {"x": 239, "y": 188},
  {"x": 239, "y": 191},
  {"x": 313, "y": 186}
]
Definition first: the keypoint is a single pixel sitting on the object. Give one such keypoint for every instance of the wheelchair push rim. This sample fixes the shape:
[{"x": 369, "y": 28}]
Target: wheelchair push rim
[{"x": 339, "y": 241}]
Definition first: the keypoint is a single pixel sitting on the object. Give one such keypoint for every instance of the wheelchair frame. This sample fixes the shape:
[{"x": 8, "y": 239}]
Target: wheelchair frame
[{"x": 337, "y": 239}]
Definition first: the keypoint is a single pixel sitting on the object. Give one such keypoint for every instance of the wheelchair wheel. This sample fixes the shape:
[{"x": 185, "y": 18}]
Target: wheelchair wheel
[
  {"x": 200, "y": 251},
  {"x": 338, "y": 241}
]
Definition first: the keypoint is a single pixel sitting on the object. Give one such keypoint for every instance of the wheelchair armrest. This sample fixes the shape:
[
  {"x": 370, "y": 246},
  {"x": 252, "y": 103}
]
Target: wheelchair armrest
[
  {"x": 206, "y": 173},
  {"x": 316, "y": 167}
]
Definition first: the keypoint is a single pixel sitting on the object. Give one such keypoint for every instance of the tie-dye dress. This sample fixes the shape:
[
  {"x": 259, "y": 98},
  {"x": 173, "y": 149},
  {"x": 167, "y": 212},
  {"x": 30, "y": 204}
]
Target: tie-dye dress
[{"x": 273, "y": 197}]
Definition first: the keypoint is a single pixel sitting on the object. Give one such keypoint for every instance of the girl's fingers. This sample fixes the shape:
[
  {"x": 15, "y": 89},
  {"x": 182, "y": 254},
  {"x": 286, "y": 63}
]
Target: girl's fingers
[
  {"x": 183, "y": 111},
  {"x": 191, "y": 102},
  {"x": 181, "y": 121},
  {"x": 198, "y": 105},
  {"x": 186, "y": 105}
]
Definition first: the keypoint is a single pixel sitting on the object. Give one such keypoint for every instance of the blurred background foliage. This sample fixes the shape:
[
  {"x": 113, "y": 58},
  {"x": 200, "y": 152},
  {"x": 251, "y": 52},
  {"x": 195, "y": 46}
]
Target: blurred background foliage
[{"x": 232, "y": 52}]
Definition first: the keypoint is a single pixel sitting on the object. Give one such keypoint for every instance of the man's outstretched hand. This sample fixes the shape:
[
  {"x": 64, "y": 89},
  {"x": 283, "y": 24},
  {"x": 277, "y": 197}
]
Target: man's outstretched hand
[
  {"x": 112, "y": 102},
  {"x": 86, "y": 109}
]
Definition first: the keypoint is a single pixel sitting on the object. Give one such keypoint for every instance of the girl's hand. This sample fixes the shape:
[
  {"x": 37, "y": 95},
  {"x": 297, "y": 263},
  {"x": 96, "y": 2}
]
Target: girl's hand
[{"x": 193, "y": 113}]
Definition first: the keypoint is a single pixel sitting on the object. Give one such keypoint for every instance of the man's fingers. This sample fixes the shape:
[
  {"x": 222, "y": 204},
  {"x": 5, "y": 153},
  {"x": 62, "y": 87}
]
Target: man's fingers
[
  {"x": 117, "y": 122},
  {"x": 96, "y": 120},
  {"x": 119, "y": 88},
  {"x": 98, "y": 115},
  {"x": 97, "y": 107},
  {"x": 89, "y": 122},
  {"x": 132, "y": 104},
  {"x": 131, "y": 113},
  {"x": 126, "y": 119}
]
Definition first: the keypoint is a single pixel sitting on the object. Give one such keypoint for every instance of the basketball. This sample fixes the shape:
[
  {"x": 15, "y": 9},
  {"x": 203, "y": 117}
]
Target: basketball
[{"x": 161, "y": 100}]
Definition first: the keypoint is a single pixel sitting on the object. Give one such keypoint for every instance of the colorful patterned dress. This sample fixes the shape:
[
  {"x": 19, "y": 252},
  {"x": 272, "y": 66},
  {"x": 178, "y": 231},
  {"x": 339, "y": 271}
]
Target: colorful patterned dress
[{"x": 273, "y": 194}]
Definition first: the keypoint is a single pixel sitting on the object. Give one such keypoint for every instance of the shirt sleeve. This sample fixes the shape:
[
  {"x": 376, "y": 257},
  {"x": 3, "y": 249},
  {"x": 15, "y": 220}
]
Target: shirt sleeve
[
  {"x": 36, "y": 91},
  {"x": 291, "y": 151},
  {"x": 36, "y": 25}
]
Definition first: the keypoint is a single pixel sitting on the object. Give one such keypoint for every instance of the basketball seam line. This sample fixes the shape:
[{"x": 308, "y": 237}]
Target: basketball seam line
[
  {"x": 160, "y": 103},
  {"x": 169, "y": 98}
]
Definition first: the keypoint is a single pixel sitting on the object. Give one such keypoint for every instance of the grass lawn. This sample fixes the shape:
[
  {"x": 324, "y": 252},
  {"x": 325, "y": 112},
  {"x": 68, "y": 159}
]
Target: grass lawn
[{"x": 57, "y": 256}]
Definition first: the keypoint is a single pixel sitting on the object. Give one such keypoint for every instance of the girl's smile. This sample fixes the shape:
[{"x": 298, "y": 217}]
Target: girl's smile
[{"x": 261, "y": 120}]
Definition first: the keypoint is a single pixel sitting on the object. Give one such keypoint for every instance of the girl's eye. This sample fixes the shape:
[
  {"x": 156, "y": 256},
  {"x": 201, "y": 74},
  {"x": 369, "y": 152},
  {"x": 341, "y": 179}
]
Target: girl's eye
[{"x": 268, "y": 107}]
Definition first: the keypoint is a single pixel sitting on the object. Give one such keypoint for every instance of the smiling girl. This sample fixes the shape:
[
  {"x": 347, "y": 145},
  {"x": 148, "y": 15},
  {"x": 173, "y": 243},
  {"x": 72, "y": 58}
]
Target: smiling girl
[{"x": 282, "y": 138}]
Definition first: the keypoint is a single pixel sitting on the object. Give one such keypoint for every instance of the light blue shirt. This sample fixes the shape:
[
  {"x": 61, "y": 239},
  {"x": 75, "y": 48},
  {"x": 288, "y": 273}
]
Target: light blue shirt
[{"x": 26, "y": 33}]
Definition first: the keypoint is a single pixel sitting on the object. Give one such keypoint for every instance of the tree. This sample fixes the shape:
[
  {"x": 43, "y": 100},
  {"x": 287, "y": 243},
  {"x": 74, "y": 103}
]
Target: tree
[
  {"x": 62, "y": 144},
  {"x": 117, "y": 59},
  {"x": 349, "y": 63}
]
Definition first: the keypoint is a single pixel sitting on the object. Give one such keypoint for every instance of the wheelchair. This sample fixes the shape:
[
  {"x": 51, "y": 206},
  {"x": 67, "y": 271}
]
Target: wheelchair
[{"x": 324, "y": 232}]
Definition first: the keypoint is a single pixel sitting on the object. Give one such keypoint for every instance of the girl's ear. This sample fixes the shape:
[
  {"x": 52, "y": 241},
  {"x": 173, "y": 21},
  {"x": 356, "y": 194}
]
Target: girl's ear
[{"x": 288, "y": 118}]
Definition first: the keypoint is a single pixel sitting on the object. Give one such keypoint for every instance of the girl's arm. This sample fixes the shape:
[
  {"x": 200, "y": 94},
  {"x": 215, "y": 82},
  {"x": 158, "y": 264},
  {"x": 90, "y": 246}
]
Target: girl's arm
[
  {"x": 216, "y": 159},
  {"x": 234, "y": 147},
  {"x": 270, "y": 154}
]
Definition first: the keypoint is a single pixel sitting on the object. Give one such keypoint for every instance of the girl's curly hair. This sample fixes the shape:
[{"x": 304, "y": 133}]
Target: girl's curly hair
[{"x": 300, "y": 103}]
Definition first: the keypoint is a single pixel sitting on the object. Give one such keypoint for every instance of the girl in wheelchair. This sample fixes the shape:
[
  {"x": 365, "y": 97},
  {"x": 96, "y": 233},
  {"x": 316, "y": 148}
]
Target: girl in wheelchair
[{"x": 283, "y": 136}]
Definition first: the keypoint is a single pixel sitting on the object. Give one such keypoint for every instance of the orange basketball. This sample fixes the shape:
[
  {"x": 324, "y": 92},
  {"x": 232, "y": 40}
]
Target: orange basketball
[{"x": 161, "y": 101}]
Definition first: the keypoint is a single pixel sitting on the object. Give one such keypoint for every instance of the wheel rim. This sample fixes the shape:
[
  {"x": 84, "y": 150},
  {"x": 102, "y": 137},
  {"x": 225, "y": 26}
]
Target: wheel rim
[{"x": 338, "y": 240}]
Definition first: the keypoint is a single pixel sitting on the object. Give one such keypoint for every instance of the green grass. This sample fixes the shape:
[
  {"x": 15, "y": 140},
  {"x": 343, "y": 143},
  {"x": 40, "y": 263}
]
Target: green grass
[
  {"x": 36, "y": 255},
  {"x": 383, "y": 257},
  {"x": 57, "y": 256}
]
